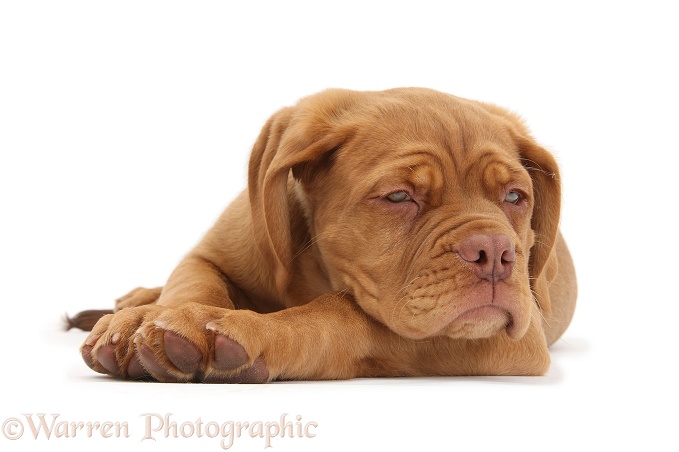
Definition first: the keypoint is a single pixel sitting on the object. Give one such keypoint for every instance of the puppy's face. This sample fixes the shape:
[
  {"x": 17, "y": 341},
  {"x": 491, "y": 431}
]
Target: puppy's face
[{"x": 424, "y": 214}]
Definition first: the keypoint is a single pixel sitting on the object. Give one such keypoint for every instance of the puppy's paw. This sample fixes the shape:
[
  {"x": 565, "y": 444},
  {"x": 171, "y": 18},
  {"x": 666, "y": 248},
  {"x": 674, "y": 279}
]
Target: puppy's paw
[
  {"x": 109, "y": 349},
  {"x": 231, "y": 363},
  {"x": 140, "y": 296},
  {"x": 173, "y": 345}
]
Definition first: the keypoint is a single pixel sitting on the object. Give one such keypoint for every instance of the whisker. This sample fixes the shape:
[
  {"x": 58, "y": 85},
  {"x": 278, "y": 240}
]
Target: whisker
[
  {"x": 308, "y": 245},
  {"x": 409, "y": 284},
  {"x": 536, "y": 167},
  {"x": 535, "y": 299}
]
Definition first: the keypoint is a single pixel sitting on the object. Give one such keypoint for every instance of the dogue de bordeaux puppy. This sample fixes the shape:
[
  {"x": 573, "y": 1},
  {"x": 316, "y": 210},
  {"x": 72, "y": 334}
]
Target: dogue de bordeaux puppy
[{"x": 404, "y": 232}]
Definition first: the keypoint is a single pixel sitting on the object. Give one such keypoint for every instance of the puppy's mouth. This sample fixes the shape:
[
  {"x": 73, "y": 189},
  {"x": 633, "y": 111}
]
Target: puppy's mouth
[
  {"x": 469, "y": 317},
  {"x": 480, "y": 322}
]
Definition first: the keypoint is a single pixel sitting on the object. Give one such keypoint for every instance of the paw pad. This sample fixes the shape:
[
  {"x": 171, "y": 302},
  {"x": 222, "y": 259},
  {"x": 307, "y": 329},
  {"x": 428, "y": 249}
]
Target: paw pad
[{"x": 182, "y": 353}]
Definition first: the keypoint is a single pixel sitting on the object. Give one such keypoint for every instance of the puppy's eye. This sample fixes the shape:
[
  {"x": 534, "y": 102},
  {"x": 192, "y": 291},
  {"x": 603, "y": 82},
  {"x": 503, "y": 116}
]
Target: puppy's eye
[
  {"x": 512, "y": 197},
  {"x": 398, "y": 196}
]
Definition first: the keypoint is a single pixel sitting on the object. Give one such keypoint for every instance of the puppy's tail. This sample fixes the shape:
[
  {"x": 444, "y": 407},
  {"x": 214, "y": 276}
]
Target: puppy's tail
[{"x": 85, "y": 320}]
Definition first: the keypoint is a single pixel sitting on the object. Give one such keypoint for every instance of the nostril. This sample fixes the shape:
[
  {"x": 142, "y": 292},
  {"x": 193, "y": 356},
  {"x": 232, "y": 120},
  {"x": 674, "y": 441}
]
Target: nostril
[
  {"x": 483, "y": 258},
  {"x": 508, "y": 256}
]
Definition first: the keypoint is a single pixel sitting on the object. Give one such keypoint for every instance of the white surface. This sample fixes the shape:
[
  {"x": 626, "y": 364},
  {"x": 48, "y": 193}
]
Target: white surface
[{"x": 125, "y": 129}]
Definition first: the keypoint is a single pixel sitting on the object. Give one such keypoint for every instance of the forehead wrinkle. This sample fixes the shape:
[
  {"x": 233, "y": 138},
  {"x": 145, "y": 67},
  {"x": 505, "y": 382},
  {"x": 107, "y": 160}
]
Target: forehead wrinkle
[
  {"x": 458, "y": 127},
  {"x": 386, "y": 144},
  {"x": 491, "y": 168},
  {"x": 399, "y": 127},
  {"x": 421, "y": 168}
]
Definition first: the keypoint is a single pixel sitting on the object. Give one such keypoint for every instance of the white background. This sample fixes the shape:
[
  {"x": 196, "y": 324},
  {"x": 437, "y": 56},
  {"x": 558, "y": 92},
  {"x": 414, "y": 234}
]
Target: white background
[{"x": 125, "y": 129}]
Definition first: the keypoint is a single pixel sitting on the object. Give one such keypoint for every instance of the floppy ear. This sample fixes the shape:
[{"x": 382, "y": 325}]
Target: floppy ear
[
  {"x": 291, "y": 137},
  {"x": 544, "y": 172}
]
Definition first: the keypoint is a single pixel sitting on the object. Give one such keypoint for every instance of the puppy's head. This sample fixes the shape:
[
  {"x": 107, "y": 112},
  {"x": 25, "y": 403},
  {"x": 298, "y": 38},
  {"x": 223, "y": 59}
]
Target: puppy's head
[{"x": 438, "y": 214}]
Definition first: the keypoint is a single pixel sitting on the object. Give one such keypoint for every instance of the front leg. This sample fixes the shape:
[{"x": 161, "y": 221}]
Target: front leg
[
  {"x": 333, "y": 338},
  {"x": 196, "y": 280},
  {"x": 328, "y": 338}
]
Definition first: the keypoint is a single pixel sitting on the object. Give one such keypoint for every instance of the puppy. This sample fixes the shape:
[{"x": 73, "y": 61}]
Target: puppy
[{"x": 405, "y": 232}]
